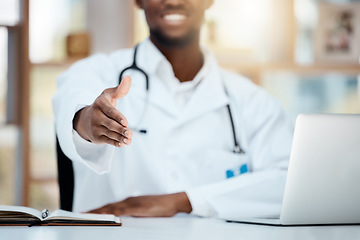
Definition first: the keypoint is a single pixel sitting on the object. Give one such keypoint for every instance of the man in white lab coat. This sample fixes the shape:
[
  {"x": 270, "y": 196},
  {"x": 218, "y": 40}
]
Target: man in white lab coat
[{"x": 171, "y": 149}]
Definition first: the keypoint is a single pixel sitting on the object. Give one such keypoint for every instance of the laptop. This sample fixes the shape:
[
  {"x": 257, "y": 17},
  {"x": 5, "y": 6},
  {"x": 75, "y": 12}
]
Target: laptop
[{"x": 323, "y": 181}]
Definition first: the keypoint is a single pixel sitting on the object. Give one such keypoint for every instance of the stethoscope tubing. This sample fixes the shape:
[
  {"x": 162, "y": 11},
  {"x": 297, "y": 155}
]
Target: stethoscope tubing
[{"x": 134, "y": 66}]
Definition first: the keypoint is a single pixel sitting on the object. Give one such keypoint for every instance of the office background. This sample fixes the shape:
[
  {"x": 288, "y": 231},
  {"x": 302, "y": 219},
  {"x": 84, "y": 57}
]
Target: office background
[{"x": 305, "y": 52}]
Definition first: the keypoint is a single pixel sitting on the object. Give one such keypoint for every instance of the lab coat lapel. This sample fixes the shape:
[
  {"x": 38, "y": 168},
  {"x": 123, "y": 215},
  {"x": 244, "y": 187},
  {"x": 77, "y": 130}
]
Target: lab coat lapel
[
  {"x": 160, "y": 96},
  {"x": 208, "y": 96}
]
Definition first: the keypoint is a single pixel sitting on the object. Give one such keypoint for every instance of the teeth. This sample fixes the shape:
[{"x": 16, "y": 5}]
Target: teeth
[{"x": 174, "y": 17}]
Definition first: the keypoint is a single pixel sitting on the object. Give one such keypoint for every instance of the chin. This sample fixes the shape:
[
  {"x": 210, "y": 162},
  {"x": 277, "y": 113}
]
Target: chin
[{"x": 174, "y": 41}]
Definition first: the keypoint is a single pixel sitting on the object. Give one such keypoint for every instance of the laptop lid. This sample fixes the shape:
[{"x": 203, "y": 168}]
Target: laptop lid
[{"x": 322, "y": 185}]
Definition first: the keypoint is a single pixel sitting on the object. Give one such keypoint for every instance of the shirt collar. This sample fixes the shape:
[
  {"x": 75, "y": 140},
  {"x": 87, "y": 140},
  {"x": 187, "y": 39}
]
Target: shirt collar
[{"x": 208, "y": 95}]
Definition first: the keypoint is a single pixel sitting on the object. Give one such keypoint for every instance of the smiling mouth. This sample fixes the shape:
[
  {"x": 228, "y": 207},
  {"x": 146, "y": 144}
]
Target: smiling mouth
[{"x": 174, "y": 18}]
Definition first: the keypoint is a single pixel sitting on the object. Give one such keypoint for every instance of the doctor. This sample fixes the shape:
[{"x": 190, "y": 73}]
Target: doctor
[{"x": 198, "y": 139}]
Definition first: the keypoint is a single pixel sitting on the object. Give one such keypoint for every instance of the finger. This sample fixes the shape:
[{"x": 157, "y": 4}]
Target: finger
[
  {"x": 107, "y": 209},
  {"x": 134, "y": 206},
  {"x": 121, "y": 211},
  {"x": 124, "y": 209},
  {"x": 116, "y": 209},
  {"x": 114, "y": 126},
  {"x": 123, "y": 88},
  {"x": 114, "y": 114},
  {"x": 116, "y": 136},
  {"x": 107, "y": 140}
]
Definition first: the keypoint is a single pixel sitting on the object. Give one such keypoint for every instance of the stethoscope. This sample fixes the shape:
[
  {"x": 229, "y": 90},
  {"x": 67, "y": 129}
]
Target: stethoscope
[{"x": 134, "y": 66}]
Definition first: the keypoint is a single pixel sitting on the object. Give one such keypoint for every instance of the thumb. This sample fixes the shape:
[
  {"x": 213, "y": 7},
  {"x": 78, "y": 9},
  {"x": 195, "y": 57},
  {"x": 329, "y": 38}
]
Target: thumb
[{"x": 123, "y": 88}]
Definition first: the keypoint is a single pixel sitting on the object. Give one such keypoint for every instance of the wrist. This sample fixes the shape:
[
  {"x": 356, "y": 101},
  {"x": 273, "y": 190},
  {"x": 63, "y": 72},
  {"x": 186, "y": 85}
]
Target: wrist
[
  {"x": 78, "y": 124},
  {"x": 182, "y": 202}
]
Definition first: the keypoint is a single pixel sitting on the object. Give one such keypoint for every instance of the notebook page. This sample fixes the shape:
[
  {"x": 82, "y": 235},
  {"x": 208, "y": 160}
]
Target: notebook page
[
  {"x": 18, "y": 211},
  {"x": 66, "y": 215}
]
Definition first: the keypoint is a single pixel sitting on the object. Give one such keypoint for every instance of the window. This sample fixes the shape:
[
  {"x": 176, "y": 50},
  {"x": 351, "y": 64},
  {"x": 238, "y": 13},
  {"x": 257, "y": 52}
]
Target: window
[
  {"x": 8, "y": 133},
  {"x": 9, "y": 12},
  {"x": 315, "y": 93}
]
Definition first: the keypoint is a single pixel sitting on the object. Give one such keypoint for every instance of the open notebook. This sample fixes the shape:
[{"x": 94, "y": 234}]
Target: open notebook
[{"x": 18, "y": 215}]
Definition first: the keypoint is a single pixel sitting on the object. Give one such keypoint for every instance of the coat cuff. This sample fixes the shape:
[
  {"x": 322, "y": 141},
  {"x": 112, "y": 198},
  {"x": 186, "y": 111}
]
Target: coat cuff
[
  {"x": 96, "y": 156},
  {"x": 199, "y": 204}
]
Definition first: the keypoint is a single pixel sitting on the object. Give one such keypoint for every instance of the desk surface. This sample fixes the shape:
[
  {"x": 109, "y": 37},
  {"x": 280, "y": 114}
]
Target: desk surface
[{"x": 180, "y": 227}]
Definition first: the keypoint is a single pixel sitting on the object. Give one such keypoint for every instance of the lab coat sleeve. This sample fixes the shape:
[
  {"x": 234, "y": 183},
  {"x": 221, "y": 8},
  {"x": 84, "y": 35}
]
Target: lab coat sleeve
[
  {"x": 78, "y": 87},
  {"x": 258, "y": 193}
]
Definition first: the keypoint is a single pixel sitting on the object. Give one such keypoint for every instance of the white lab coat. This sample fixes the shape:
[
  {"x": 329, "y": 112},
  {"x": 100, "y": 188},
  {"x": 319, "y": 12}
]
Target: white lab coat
[{"x": 187, "y": 149}]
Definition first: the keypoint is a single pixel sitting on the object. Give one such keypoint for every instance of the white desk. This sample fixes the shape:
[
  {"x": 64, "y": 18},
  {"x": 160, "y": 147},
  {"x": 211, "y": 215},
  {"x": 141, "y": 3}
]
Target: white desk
[{"x": 179, "y": 228}]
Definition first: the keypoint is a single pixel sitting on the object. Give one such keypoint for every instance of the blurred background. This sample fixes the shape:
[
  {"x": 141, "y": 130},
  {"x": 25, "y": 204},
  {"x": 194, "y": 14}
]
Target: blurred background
[{"x": 305, "y": 52}]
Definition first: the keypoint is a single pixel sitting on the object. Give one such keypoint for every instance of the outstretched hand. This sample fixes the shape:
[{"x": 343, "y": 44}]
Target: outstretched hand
[
  {"x": 148, "y": 206},
  {"x": 101, "y": 122}
]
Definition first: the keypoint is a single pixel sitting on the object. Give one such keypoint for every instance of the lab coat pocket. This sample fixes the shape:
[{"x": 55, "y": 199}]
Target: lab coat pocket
[{"x": 222, "y": 165}]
